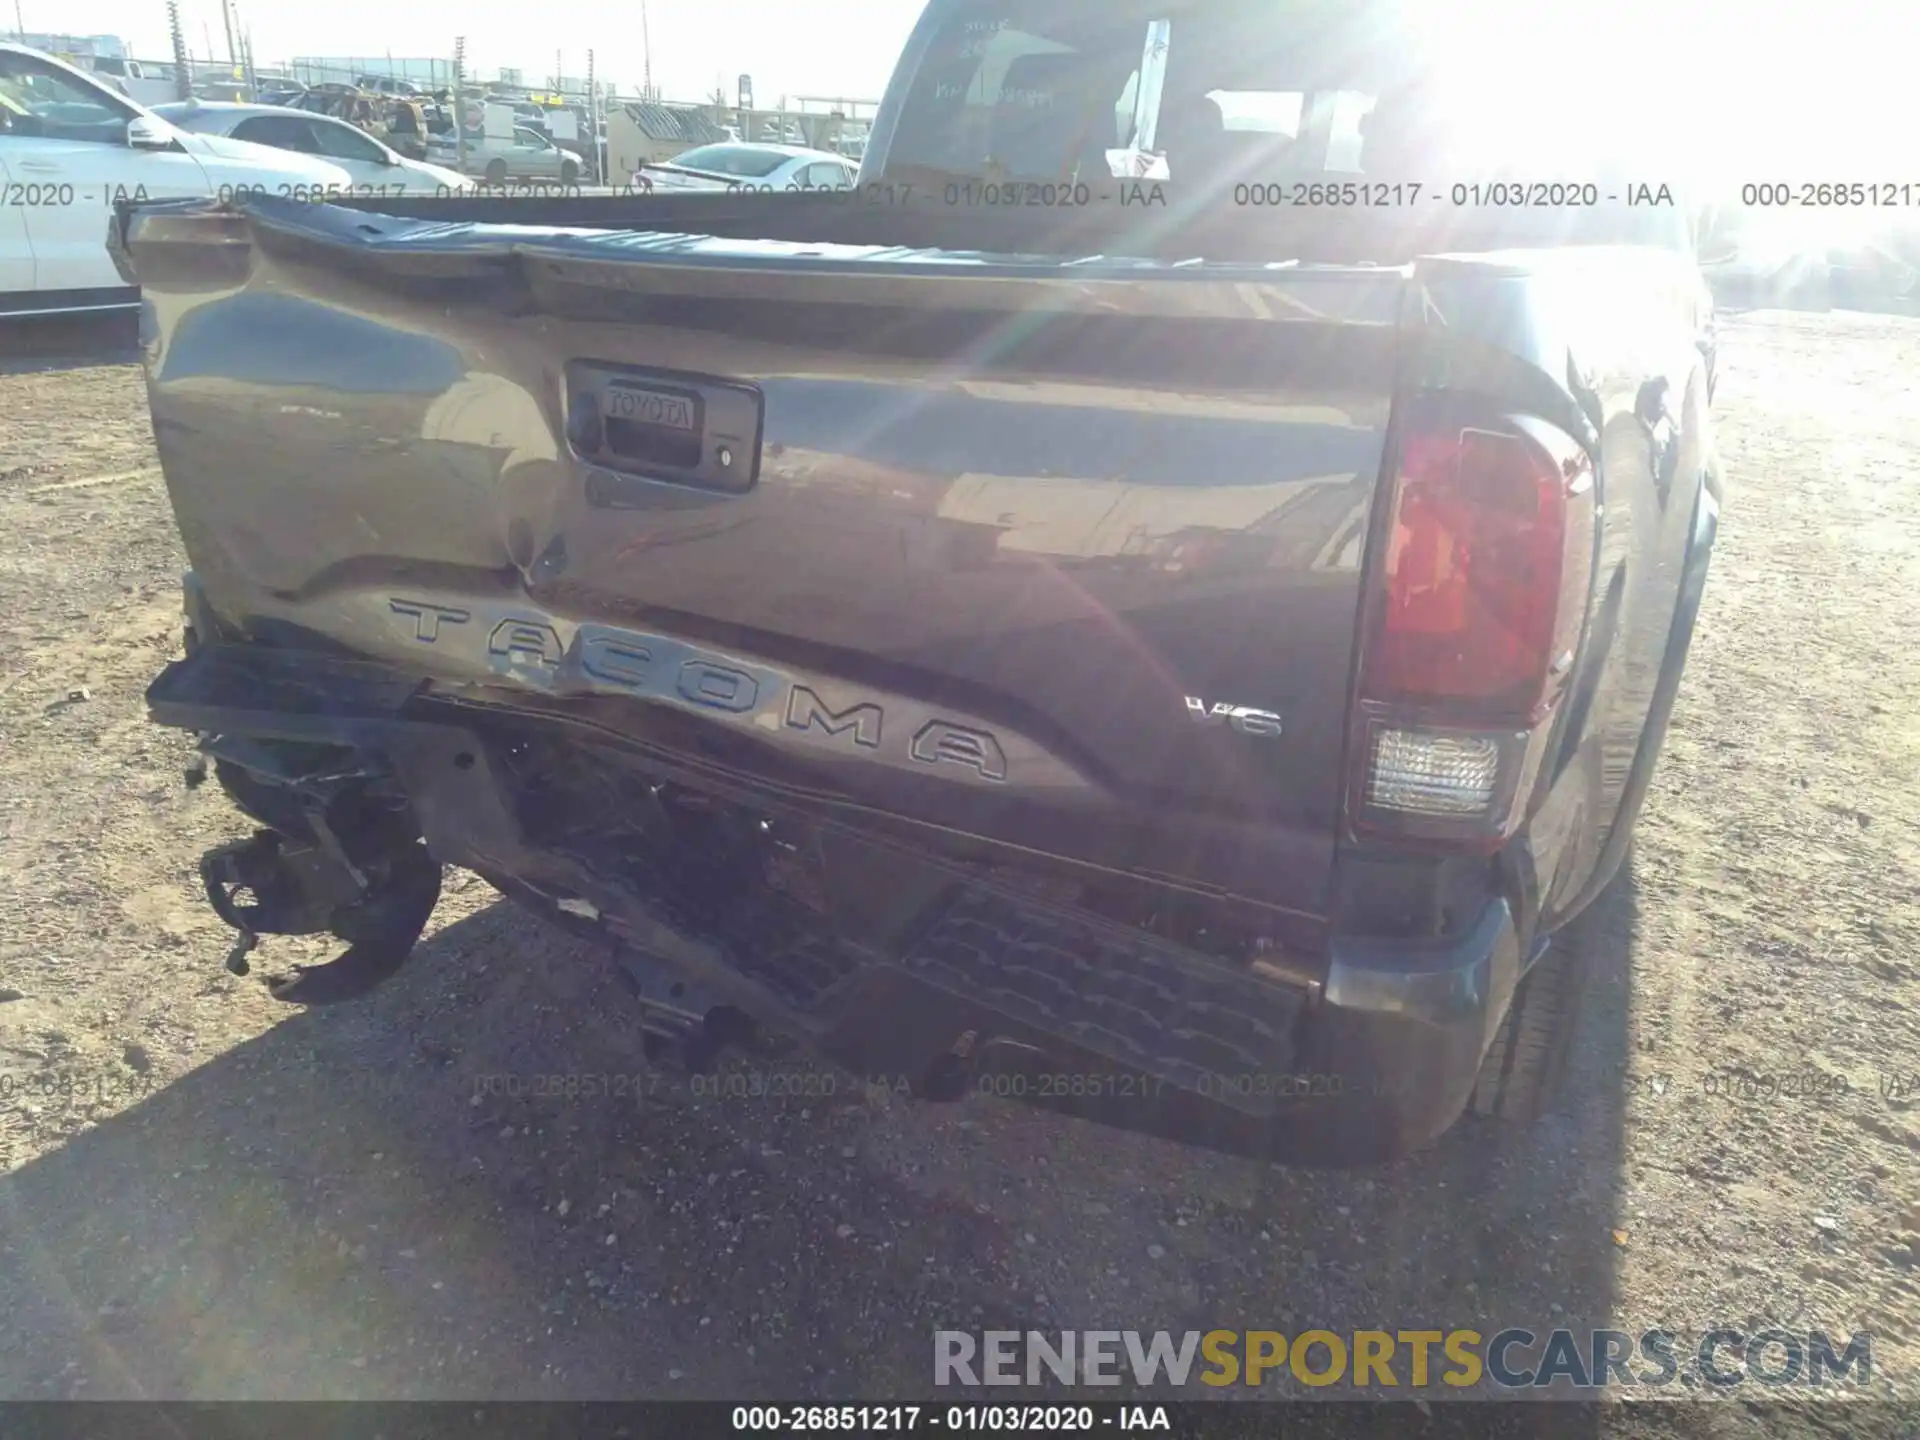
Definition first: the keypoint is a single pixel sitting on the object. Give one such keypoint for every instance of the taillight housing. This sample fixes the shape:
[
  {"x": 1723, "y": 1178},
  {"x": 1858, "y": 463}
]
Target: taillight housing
[{"x": 1477, "y": 606}]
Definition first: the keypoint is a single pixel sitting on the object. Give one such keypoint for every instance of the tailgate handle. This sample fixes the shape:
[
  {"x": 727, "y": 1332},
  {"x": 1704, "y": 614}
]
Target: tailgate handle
[{"x": 664, "y": 425}]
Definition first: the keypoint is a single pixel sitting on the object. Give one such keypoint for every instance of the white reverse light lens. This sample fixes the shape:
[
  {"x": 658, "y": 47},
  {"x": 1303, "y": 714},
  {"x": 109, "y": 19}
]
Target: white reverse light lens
[{"x": 1420, "y": 773}]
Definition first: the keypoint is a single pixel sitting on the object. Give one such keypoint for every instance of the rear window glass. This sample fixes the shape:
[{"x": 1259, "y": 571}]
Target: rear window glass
[
  {"x": 1049, "y": 89},
  {"x": 741, "y": 160},
  {"x": 1026, "y": 93},
  {"x": 1245, "y": 102}
]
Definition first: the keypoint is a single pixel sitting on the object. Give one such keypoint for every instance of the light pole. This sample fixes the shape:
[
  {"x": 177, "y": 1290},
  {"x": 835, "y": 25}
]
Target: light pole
[
  {"x": 459, "y": 104},
  {"x": 182, "y": 67},
  {"x": 594, "y": 167},
  {"x": 646, "y": 53}
]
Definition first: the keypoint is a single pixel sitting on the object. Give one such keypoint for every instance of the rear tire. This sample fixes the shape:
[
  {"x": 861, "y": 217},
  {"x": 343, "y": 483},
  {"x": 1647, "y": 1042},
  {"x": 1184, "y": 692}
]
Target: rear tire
[
  {"x": 496, "y": 172},
  {"x": 1521, "y": 1074},
  {"x": 1523, "y": 1070}
]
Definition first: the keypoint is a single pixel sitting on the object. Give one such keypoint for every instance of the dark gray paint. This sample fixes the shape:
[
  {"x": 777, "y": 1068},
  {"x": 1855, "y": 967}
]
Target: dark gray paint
[{"x": 941, "y": 525}]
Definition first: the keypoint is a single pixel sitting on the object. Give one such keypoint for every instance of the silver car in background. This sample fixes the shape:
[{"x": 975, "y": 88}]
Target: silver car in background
[
  {"x": 529, "y": 155},
  {"x": 376, "y": 168}
]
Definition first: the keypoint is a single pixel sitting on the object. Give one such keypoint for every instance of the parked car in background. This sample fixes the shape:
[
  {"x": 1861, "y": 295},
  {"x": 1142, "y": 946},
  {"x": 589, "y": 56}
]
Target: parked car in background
[
  {"x": 388, "y": 85},
  {"x": 70, "y": 146},
  {"x": 151, "y": 82},
  {"x": 753, "y": 167},
  {"x": 529, "y": 155},
  {"x": 230, "y": 91},
  {"x": 279, "y": 92},
  {"x": 560, "y": 118},
  {"x": 766, "y": 130},
  {"x": 375, "y": 168}
]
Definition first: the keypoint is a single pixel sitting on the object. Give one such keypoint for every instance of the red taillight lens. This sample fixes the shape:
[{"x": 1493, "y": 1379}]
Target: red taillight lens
[{"x": 1486, "y": 569}]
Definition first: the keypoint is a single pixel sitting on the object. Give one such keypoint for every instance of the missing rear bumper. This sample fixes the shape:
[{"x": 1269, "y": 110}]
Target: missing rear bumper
[{"x": 890, "y": 962}]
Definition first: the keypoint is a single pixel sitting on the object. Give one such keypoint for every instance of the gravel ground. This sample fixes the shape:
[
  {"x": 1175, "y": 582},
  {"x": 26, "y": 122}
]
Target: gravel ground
[{"x": 208, "y": 1195}]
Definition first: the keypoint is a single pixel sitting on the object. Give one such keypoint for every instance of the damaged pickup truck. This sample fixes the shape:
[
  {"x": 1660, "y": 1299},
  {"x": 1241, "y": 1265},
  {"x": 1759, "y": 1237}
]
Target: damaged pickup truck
[{"x": 1084, "y": 615}]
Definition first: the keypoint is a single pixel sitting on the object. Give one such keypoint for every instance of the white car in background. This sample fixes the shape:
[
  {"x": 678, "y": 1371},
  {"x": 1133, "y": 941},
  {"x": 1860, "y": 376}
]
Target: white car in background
[
  {"x": 752, "y": 167},
  {"x": 149, "y": 82},
  {"x": 70, "y": 147},
  {"x": 376, "y": 169}
]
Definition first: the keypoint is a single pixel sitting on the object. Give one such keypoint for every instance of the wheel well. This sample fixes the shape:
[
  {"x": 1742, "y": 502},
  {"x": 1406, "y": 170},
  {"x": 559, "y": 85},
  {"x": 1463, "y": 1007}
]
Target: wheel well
[{"x": 1600, "y": 638}]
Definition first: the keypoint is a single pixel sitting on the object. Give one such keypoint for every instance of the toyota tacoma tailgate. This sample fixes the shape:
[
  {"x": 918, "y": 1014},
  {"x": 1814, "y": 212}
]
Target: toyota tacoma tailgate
[{"x": 1059, "y": 556}]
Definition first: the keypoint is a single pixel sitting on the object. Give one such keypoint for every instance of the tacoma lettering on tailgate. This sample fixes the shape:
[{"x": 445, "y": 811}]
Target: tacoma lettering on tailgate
[{"x": 600, "y": 659}]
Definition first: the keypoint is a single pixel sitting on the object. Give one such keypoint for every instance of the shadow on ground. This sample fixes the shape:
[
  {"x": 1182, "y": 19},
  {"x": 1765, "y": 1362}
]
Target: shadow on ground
[
  {"x": 350, "y": 1205},
  {"x": 40, "y": 343}
]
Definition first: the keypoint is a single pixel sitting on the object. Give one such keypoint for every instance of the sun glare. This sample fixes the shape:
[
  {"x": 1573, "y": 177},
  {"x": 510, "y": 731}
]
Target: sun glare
[{"x": 1713, "y": 96}]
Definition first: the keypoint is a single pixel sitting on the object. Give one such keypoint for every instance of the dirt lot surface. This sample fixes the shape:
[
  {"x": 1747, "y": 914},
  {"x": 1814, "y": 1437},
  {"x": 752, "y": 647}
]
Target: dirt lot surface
[{"x": 208, "y": 1194}]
